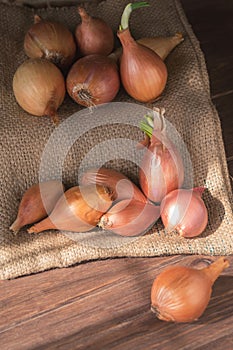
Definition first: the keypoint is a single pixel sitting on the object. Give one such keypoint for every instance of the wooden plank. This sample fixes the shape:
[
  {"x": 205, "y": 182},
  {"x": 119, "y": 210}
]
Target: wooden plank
[
  {"x": 212, "y": 23},
  {"x": 92, "y": 308},
  {"x": 95, "y": 275},
  {"x": 221, "y": 343},
  {"x": 224, "y": 106},
  {"x": 230, "y": 168}
]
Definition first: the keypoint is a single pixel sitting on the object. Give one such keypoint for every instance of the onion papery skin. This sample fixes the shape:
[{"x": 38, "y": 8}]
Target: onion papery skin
[
  {"x": 184, "y": 210},
  {"x": 143, "y": 73},
  {"x": 93, "y": 80},
  {"x": 52, "y": 41},
  {"x": 120, "y": 185},
  {"x": 161, "y": 170},
  {"x": 130, "y": 217},
  {"x": 93, "y": 35}
]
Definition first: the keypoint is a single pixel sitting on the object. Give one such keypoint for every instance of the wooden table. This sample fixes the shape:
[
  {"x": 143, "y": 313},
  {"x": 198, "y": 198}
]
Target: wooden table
[{"x": 106, "y": 304}]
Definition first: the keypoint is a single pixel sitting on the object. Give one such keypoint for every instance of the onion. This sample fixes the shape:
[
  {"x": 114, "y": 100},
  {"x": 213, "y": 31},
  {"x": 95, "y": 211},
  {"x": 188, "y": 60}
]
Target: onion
[
  {"x": 143, "y": 72},
  {"x": 118, "y": 183},
  {"x": 79, "y": 209},
  {"x": 37, "y": 202},
  {"x": 39, "y": 87},
  {"x": 130, "y": 217},
  {"x": 161, "y": 169},
  {"x": 93, "y": 80},
  {"x": 184, "y": 211},
  {"x": 50, "y": 40},
  {"x": 161, "y": 45},
  {"x": 93, "y": 35},
  {"x": 181, "y": 294}
]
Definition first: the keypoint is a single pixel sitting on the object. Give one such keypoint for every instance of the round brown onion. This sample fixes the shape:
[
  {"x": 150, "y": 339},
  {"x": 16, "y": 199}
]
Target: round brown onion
[
  {"x": 39, "y": 87},
  {"x": 50, "y": 40},
  {"x": 93, "y": 35},
  {"x": 92, "y": 80}
]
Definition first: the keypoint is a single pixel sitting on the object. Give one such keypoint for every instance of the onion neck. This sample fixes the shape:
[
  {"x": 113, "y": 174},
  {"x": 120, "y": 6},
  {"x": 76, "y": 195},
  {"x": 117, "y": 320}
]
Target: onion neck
[
  {"x": 153, "y": 122},
  {"x": 199, "y": 190},
  {"x": 16, "y": 226},
  {"x": 83, "y": 14},
  {"x": 51, "y": 112},
  {"x": 37, "y": 19},
  {"x": 126, "y": 38},
  {"x": 214, "y": 270},
  {"x": 43, "y": 225}
]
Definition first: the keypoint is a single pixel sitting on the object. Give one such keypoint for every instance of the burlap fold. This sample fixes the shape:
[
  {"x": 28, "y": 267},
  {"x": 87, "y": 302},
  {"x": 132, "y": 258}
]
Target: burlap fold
[{"x": 24, "y": 137}]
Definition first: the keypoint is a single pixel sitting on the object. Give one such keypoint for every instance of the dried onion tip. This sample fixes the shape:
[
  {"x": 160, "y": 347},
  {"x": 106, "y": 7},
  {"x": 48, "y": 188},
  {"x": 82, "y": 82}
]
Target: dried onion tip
[
  {"x": 50, "y": 40},
  {"x": 39, "y": 88}
]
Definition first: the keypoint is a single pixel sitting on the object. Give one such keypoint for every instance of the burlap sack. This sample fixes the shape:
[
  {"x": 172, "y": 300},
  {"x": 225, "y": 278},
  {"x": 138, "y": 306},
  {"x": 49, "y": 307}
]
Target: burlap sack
[{"x": 23, "y": 139}]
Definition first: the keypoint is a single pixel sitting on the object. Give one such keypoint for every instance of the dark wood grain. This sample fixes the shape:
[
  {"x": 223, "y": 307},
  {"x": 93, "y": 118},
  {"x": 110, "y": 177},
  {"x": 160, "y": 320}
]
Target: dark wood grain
[
  {"x": 213, "y": 26},
  {"x": 230, "y": 167},
  {"x": 104, "y": 305},
  {"x": 224, "y": 105}
]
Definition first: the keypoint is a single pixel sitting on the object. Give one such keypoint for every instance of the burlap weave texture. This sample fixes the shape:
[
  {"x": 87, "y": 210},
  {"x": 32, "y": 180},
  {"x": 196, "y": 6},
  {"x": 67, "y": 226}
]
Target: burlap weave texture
[{"x": 23, "y": 139}]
